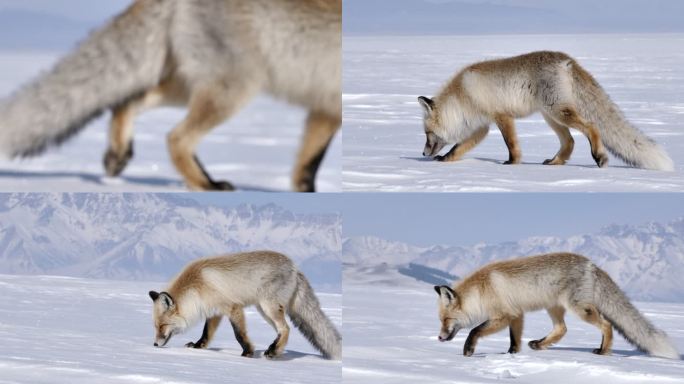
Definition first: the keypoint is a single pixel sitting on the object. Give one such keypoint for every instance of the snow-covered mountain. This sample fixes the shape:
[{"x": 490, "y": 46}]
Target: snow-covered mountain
[
  {"x": 152, "y": 236},
  {"x": 647, "y": 261}
]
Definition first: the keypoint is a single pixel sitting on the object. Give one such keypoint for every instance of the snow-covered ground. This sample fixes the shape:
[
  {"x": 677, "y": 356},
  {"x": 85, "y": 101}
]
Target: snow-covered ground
[
  {"x": 383, "y": 131},
  {"x": 66, "y": 330},
  {"x": 391, "y": 329},
  {"x": 255, "y": 150}
]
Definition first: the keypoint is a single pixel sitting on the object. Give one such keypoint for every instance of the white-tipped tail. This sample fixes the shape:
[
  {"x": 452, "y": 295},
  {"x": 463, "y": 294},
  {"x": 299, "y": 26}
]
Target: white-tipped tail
[
  {"x": 620, "y": 137},
  {"x": 628, "y": 321},
  {"x": 306, "y": 314},
  {"x": 123, "y": 59}
]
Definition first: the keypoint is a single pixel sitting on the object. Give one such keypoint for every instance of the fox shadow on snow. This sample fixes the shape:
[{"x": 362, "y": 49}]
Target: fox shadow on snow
[
  {"x": 99, "y": 179},
  {"x": 424, "y": 159},
  {"x": 259, "y": 354}
]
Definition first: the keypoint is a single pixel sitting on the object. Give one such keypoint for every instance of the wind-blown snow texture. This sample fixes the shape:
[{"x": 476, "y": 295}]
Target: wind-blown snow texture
[
  {"x": 255, "y": 150},
  {"x": 383, "y": 130},
  {"x": 391, "y": 329},
  {"x": 65, "y": 330},
  {"x": 152, "y": 236},
  {"x": 646, "y": 261}
]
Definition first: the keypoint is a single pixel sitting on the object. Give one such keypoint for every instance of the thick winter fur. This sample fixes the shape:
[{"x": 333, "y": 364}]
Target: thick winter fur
[
  {"x": 211, "y": 55},
  {"x": 552, "y": 83},
  {"x": 497, "y": 296},
  {"x": 211, "y": 288}
]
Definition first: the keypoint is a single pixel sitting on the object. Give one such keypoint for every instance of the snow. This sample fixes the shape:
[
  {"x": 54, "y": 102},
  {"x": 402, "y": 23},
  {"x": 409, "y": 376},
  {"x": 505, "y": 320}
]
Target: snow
[
  {"x": 66, "y": 330},
  {"x": 383, "y": 131},
  {"x": 255, "y": 150},
  {"x": 391, "y": 328}
]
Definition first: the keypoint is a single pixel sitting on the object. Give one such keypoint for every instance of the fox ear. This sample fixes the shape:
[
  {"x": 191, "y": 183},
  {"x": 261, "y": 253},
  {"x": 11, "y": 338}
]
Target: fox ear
[
  {"x": 445, "y": 293},
  {"x": 167, "y": 300},
  {"x": 427, "y": 104},
  {"x": 154, "y": 295}
]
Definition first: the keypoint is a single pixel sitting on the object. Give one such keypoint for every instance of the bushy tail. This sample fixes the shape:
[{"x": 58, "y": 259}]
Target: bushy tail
[
  {"x": 306, "y": 314},
  {"x": 116, "y": 63},
  {"x": 629, "y": 322},
  {"x": 621, "y": 138}
]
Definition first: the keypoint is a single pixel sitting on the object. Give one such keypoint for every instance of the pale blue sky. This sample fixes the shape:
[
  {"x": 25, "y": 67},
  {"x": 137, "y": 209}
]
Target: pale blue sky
[
  {"x": 464, "y": 219},
  {"x": 430, "y": 17}
]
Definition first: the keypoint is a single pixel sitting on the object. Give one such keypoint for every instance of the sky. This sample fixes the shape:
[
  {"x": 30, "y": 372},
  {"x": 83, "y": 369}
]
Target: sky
[
  {"x": 83, "y": 10},
  {"x": 448, "y": 17},
  {"x": 464, "y": 219}
]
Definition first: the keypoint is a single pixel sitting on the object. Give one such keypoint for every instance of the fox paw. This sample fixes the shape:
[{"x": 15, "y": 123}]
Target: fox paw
[
  {"x": 271, "y": 354},
  {"x": 197, "y": 345},
  {"x": 599, "y": 351},
  {"x": 220, "y": 186},
  {"x": 115, "y": 162},
  {"x": 554, "y": 161},
  {"x": 468, "y": 351},
  {"x": 512, "y": 350},
  {"x": 601, "y": 160},
  {"x": 247, "y": 354},
  {"x": 536, "y": 345}
]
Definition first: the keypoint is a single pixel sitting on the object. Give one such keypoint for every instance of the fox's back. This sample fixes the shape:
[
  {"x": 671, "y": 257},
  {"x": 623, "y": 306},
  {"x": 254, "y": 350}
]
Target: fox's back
[
  {"x": 528, "y": 283},
  {"x": 291, "y": 48},
  {"x": 241, "y": 278}
]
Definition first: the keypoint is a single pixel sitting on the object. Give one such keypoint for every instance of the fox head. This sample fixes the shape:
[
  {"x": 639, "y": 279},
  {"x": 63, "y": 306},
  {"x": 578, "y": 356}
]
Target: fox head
[
  {"x": 433, "y": 129},
  {"x": 167, "y": 320},
  {"x": 451, "y": 315}
]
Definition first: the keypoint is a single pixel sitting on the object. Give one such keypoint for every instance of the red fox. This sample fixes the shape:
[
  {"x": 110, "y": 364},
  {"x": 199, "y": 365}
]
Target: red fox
[
  {"x": 498, "y": 295},
  {"x": 211, "y": 288},
  {"x": 553, "y": 83},
  {"x": 212, "y": 56}
]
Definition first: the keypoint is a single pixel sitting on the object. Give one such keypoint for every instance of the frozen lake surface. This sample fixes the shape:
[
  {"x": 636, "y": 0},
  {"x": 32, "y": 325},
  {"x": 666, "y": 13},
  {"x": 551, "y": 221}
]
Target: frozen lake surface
[
  {"x": 67, "y": 330},
  {"x": 383, "y": 131},
  {"x": 255, "y": 150}
]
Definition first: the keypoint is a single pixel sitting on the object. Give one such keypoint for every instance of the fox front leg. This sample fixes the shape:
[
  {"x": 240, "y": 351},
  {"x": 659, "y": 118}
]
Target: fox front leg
[
  {"x": 207, "y": 334},
  {"x": 482, "y": 330}
]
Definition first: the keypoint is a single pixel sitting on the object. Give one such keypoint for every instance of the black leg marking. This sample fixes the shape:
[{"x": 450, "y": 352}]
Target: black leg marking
[
  {"x": 308, "y": 182},
  {"x": 534, "y": 344},
  {"x": 469, "y": 346},
  {"x": 213, "y": 185},
  {"x": 247, "y": 350},
  {"x": 203, "y": 340},
  {"x": 514, "y": 345},
  {"x": 271, "y": 352},
  {"x": 115, "y": 164}
]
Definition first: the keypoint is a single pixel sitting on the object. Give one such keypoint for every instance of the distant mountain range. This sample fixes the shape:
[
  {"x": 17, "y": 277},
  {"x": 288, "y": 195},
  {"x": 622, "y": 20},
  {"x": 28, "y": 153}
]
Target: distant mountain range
[
  {"x": 647, "y": 261},
  {"x": 152, "y": 236}
]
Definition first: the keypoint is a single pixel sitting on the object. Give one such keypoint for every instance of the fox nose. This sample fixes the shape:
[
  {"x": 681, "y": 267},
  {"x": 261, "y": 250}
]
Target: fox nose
[
  {"x": 440, "y": 338},
  {"x": 156, "y": 345}
]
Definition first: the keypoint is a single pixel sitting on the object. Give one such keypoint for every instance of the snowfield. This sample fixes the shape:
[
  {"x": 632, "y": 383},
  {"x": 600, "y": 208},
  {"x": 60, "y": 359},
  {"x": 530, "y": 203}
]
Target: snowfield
[
  {"x": 383, "y": 127},
  {"x": 391, "y": 329},
  {"x": 67, "y": 330},
  {"x": 255, "y": 150}
]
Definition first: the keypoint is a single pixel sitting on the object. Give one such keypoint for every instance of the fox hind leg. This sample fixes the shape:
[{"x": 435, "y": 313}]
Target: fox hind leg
[
  {"x": 207, "y": 334},
  {"x": 559, "y": 329},
  {"x": 566, "y": 141},
  {"x": 320, "y": 130},
  {"x": 208, "y": 108},
  {"x": 591, "y": 315},
  {"x": 276, "y": 317},
  {"x": 569, "y": 117}
]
